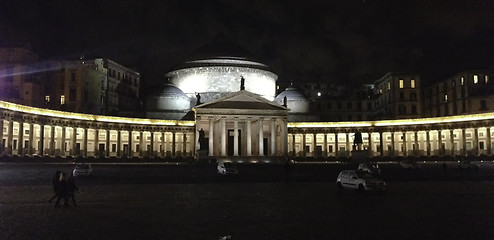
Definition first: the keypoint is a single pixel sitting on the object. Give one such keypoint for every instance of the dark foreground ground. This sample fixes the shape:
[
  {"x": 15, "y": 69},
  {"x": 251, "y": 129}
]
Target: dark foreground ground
[{"x": 262, "y": 202}]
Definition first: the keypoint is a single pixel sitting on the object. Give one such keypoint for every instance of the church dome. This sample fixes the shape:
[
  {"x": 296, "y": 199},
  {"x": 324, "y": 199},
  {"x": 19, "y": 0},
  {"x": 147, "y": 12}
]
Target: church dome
[
  {"x": 295, "y": 100},
  {"x": 167, "y": 98}
]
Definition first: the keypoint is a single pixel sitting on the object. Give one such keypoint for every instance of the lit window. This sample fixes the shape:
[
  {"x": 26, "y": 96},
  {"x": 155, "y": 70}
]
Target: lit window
[
  {"x": 401, "y": 83},
  {"x": 62, "y": 99},
  {"x": 412, "y": 83},
  {"x": 462, "y": 80},
  {"x": 446, "y": 97},
  {"x": 475, "y": 79},
  {"x": 486, "y": 79},
  {"x": 47, "y": 98},
  {"x": 277, "y": 87},
  {"x": 389, "y": 86}
]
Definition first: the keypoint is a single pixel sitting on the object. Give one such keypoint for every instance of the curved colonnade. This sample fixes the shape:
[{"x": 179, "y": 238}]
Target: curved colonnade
[{"x": 29, "y": 131}]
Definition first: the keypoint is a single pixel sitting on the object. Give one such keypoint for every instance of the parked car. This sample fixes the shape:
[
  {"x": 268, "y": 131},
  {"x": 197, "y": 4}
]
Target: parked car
[
  {"x": 409, "y": 164},
  {"x": 468, "y": 165},
  {"x": 360, "y": 180},
  {"x": 82, "y": 170},
  {"x": 227, "y": 168},
  {"x": 369, "y": 167}
]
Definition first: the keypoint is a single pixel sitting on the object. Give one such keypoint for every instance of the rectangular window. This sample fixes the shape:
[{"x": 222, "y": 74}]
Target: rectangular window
[
  {"x": 62, "y": 99},
  {"x": 389, "y": 86},
  {"x": 475, "y": 79},
  {"x": 462, "y": 81},
  {"x": 47, "y": 98},
  {"x": 72, "y": 76},
  {"x": 401, "y": 83},
  {"x": 486, "y": 79},
  {"x": 412, "y": 83}
]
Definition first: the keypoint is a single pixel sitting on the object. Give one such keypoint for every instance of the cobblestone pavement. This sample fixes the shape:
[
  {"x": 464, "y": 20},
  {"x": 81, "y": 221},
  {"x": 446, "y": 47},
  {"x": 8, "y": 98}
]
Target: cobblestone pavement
[{"x": 250, "y": 210}]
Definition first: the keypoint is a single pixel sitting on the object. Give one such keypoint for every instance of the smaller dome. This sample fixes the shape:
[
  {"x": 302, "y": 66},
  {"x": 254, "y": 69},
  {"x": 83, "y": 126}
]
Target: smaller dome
[
  {"x": 167, "y": 97},
  {"x": 295, "y": 100}
]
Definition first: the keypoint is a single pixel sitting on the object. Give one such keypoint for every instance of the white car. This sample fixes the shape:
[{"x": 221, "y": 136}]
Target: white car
[
  {"x": 409, "y": 164},
  {"x": 82, "y": 170},
  {"x": 227, "y": 168},
  {"x": 360, "y": 180},
  {"x": 369, "y": 167}
]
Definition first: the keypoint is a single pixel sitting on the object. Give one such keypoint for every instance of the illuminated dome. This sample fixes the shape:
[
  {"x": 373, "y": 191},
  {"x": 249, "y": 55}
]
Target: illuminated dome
[
  {"x": 167, "y": 102},
  {"x": 295, "y": 100},
  {"x": 217, "y": 69}
]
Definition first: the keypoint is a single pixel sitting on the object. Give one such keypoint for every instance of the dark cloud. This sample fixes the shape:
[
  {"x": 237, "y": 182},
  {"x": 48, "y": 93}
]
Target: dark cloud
[{"x": 320, "y": 40}]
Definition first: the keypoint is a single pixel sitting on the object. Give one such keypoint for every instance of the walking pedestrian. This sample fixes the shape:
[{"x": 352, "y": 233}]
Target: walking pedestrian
[{"x": 71, "y": 190}]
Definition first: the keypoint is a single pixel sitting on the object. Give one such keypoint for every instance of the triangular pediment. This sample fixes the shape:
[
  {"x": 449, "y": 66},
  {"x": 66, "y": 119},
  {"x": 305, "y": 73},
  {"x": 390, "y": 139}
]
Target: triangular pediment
[{"x": 242, "y": 100}]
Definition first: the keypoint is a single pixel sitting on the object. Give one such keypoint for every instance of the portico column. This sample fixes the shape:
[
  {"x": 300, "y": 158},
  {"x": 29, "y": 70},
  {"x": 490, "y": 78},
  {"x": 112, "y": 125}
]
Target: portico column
[
  {"x": 119, "y": 143},
  {"x": 261, "y": 138},
  {"x": 284, "y": 138},
  {"x": 52, "y": 140},
  {"x": 163, "y": 149},
  {"x": 440, "y": 141},
  {"x": 488, "y": 139},
  {"x": 223, "y": 136},
  {"x": 405, "y": 150},
  {"x": 381, "y": 144},
  {"x": 348, "y": 148},
  {"x": 464, "y": 141},
  {"x": 314, "y": 144},
  {"x": 304, "y": 153},
  {"x": 211, "y": 136},
  {"x": 41, "y": 139},
  {"x": 235, "y": 137},
  {"x": 416, "y": 139},
  {"x": 392, "y": 144},
  {"x": 74, "y": 140},
  {"x": 130, "y": 149},
  {"x": 452, "y": 140},
  {"x": 85, "y": 141},
  {"x": 273, "y": 137},
  {"x": 152, "y": 143},
  {"x": 107, "y": 147},
  {"x": 96, "y": 142},
  {"x": 427, "y": 142},
  {"x": 62, "y": 142},
  {"x": 476, "y": 141},
  {"x": 10, "y": 136},
  {"x": 174, "y": 142},
  {"x": 249, "y": 137},
  {"x": 325, "y": 146},
  {"x": 336, "y": 148},
  {"x": 293, "y": 145},
  {"x": 369, "y": 140},
  {"x": 184, "y": 144},
  {"x": 31, "y": 138},
  {"x": 141, "y": 142},
  {"x": 20, "y": 144}
]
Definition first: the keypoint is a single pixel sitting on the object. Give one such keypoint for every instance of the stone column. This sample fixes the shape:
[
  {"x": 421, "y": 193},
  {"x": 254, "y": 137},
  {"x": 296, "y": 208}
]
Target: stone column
[
  {"x": 284, "y": 138},
  {"x": 392, "y": 144},
  {"x": 314, "y": 144},
  {"x": 336, "y": 148},
  {"x": 107, "y": 147},
  {"x": 369, "y": 141},
  {"x": 163, "y": 148},
  {"x": 428, "y": 143},
  {"x": 198, "y": 128},
  {"x": 488, "y": 140},
  {"x": 41, "y": 139},
  {"x": 20, "y": 138},
  {"x": 152, "y": 143},
  {"x": 62, "y": 142},
  {"x": 464, "y": 141},
  {"x": 31, "y": 138},
  {"x": 325, "y": 146},
  {"x": 304, "y": 142},
  {"x": 440, "y": 141},
  {"x": 85, "y": 141},
  {"x": 130, "y": 150},
  {"x": 348, "y": 144},
  {"x": 211, "y": 137},
  {"x": 452, "y": 140},
  {"x": 261, "y": 137},
  {"x": 416, "y": 139},
  {"x": 96, "y": 143},
  {"x": 235, "y": 137},
  {"x": 476, "y": 141},
  {"x": 10, "y": 137},
  {"x": 141, "y": 143},
  {"x": 74, "y": 140},
  {"x": 249, "y": 137},
  {"x": 119, "y": 143},
  {"x": 405, "y": 150},
  {"x": 223, "y": 136},
  {"x": 273, "y": 137},
  {"x": 184, "y": 144},
  {"x": 381, "y": 143},
  {"x": 52, "y": 140},
  {"x": 174, "y": 143}
]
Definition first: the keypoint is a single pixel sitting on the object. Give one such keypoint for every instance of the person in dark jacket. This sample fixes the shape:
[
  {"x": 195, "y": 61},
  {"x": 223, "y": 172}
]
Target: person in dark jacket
[
  {"x": 56, "y": 185},
  {"x": 61, "y": 190},
  {"x": 71, "y": 190}
]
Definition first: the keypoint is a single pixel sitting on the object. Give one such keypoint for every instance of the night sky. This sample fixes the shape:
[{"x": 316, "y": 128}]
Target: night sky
[{"x": 347, "y": 41}]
